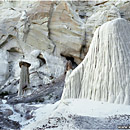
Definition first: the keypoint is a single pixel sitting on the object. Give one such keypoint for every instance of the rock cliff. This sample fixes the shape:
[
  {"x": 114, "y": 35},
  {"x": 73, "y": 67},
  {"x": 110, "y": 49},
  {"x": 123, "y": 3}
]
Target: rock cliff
[
  {"x": 93, "y": 35},
  {"x": 47, "y": 34}
]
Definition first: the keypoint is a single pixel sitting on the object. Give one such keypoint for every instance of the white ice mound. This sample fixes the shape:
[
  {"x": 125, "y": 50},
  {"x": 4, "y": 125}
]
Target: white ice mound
[{"x": 104, "y": 74}]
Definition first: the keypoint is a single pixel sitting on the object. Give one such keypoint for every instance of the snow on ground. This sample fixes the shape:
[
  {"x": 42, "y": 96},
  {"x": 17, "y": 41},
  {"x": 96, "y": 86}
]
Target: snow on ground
[
  {"x": 91, "y": 108},
  {"x": 19, "y": 112},
  {"x": 80, "y": 114},
  {"x": 41, "y": 115},
  {"x": 20, "y": 117}
]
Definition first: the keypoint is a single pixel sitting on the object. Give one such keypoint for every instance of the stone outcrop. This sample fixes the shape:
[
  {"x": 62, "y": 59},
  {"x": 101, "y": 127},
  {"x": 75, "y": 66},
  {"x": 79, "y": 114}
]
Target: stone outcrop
[
  {"x": 104, "y": 73},
  {"x": 67, "y": 31},
  {"x": 39, "y": 16},
  {"x": 44, "y": 26},
  {"x": 48, "y": 34},
  {"x": 63, "y": 29},
  {"x": 97, "y": 19}
]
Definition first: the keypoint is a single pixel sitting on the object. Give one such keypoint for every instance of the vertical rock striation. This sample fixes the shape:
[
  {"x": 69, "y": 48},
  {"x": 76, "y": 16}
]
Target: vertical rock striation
[
  {"x": 4, "y": 66},
  {"x": 66, "y": 30},
  {"x": 104, "y": 74}
]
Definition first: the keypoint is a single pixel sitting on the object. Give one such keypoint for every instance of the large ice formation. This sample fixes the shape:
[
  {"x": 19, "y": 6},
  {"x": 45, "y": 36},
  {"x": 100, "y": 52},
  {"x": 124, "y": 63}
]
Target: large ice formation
[{"x": 104, "y": 74}]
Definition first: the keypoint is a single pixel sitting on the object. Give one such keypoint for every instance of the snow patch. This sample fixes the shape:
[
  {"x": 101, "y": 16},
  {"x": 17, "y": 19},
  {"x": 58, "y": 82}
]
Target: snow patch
[{"x": 65, "y": 109}]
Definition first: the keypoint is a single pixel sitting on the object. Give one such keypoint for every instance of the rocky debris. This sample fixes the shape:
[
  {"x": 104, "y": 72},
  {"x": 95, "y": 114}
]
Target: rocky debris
[
  {"x": 54, "y": 122},
  {"x": 25, "y": 111},
  {"x": 7, "y": 112},
  {"x": 49, "y": 93},
  {"x": 5, "y": 122},
  {"x": 85, "y": 122},
  {"x": 8, "y": 124},
  {"x": 103, "y": 74},
  {"x": 23, "y": 108}
]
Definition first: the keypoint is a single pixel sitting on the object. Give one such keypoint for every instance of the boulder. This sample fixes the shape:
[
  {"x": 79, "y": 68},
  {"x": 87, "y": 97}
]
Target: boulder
[{"x": 7, "y": 112}]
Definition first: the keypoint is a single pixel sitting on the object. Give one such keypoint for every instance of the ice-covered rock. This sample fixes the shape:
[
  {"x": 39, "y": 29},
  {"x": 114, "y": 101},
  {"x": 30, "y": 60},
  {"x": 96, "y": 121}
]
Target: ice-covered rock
[{"x": 104, "y": 73}]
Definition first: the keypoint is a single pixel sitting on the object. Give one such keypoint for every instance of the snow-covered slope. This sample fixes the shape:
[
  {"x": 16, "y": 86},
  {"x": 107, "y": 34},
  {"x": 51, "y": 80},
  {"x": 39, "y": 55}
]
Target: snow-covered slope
[{"x": 80, "y": 114}]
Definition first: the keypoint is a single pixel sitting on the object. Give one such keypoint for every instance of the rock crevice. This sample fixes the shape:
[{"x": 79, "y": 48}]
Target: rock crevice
[{"x": 48, "y": 25}]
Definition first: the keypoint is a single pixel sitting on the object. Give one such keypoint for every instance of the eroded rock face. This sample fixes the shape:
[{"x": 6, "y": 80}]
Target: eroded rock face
[
  {"x": 97, "y": 19},
  {"x": 4, "y": 67},
  {"x": 62, "y": 29},
  {"x": 66, "y": 31},
  {"x": 104, "y": 73},
  {"x": 39, "y": 16}
]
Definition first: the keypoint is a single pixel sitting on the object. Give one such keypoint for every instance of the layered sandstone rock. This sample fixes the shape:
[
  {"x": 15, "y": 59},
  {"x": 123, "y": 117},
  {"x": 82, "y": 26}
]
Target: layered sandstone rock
[
  {"x": 49, "y": 26},
  {"x": 104, "y": 73},
  {"x": 67, "y": 31},
  {"x": 39, "y": 15},
  {"x": 60, "y": 28}
]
